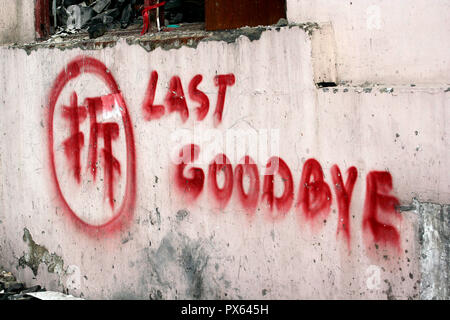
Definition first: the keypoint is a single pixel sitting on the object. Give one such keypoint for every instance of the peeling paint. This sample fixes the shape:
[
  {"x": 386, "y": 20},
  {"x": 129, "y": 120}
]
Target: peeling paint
[{"x": 39, "y": 254}]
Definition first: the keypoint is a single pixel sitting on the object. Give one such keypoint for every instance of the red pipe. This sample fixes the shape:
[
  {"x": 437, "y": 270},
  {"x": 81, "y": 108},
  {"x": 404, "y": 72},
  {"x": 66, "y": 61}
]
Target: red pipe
[{"x": 145, "y": 14}]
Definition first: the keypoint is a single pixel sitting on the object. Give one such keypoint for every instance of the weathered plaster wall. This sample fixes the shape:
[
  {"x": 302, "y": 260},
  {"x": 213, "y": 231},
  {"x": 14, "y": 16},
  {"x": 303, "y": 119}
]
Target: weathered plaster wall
[
  {"x": 434, "y": 237},
  {"x": 382, "y": 41},
  {"x": 16, "y": 21},
  {"x": 172, "y": 249},
  {"x": 165, "y": 245}
]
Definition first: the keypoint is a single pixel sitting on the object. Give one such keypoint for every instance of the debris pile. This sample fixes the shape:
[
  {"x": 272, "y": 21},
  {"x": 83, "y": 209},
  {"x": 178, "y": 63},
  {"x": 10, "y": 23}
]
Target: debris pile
[
  {"x": 99, "y": 16},
  {"x": 10, "y": 289},
  {"x": 95, "y": 16}
]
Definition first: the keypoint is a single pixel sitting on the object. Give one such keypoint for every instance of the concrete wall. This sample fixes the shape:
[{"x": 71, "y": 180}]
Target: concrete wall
[
  {"x": 382, "y": 41},
  {"x": 16, "y": 21},
  {"x": 151, "y": 237}
]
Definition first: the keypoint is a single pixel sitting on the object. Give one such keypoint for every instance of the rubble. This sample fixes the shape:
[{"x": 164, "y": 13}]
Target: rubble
[
  {"x": 100, "y": 5},
  {"x": 10, "y": 289},
  {"x": 78, "y": 16},
  {"x": 96, "y": 17}
]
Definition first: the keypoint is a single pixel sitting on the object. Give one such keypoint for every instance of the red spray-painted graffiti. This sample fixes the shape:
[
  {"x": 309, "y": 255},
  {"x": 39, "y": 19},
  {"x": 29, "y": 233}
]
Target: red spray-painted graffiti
[
  {"x": 284, "y": 202},
  {"x": 175, "y": 99},
  {"x": 344, "y": 197},
  {"x": 191, "y": 187},
  {"x": 150, "y": 110},
  {"x": 199, "y": 96},
  {"x": 222, "y": 81},
  {"x": 75, "y": 115},
  {"x": 248, "y": 200},
  {"x": 378, "y": 201},
  {"x": 222, "y": 195},
  {"x": 72, "y": 145},
  {"x": 314, "y": 194}
]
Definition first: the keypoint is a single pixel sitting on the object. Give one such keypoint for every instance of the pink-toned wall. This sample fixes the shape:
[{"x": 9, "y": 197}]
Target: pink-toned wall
[
  {"x": 143, "y": 227},
  {"x": 16, "y": 21},
  {"x": 399, "y": 42}
]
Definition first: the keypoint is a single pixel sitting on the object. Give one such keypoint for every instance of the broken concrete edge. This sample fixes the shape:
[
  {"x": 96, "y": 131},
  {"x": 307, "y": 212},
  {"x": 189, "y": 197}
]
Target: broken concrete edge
[
  {"x": 381, "y": 88},
  {"x": 165, "y": 41},
  {"x": 434, "y": 240},
  {"x": 327, "y": 79},
  {"x": 323, "y": 55}
]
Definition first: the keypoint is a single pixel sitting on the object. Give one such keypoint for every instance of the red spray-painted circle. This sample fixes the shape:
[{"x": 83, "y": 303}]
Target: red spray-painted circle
[{"x": 87, "y": 65}]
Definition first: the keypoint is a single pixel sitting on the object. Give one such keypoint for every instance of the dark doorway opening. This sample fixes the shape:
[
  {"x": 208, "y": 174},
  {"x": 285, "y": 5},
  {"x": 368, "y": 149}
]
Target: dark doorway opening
[{"x": 97, "y": 17}]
